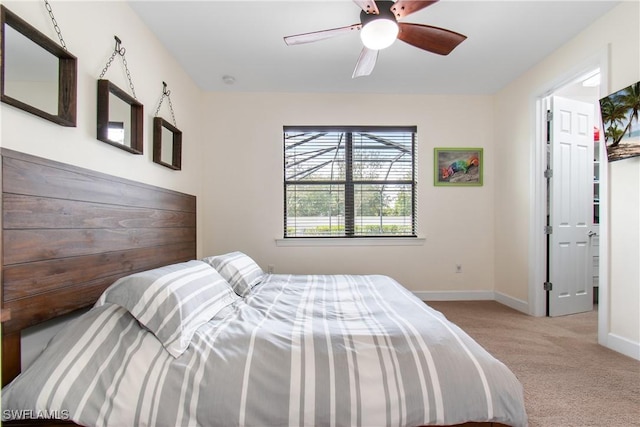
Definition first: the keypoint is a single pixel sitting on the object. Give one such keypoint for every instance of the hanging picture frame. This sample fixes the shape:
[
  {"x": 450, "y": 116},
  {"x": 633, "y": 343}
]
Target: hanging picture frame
[
  {"x": 120, "y": 116},
  {"x": 167, "y": 138},
  {"x": 167, "y": 144},
  {"x": 619, "y": 112},
  {"x": 28, "y": 52},
  {"x": 458, "y": 167}
]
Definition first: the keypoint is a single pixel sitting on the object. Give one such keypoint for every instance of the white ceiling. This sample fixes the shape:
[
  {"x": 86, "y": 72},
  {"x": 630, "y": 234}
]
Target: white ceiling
[{"x": 244, "y": 39}]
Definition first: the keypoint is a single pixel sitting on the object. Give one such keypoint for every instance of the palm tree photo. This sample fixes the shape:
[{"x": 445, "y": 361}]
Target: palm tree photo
[{"x": 620, "y": 112}]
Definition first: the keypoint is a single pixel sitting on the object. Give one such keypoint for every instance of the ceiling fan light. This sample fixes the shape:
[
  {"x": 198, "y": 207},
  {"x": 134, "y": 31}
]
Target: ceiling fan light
[{"x": 379, "y": 33}]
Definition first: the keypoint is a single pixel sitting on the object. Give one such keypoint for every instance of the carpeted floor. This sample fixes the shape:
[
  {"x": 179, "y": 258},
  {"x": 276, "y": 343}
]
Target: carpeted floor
[{"x": 569, "y": 380}]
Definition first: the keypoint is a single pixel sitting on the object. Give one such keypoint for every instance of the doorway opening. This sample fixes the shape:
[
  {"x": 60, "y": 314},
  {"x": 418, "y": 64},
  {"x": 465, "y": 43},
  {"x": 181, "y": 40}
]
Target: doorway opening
[
  {"x": 569, "y": 85},
  {"x": 573, "y": 196}
]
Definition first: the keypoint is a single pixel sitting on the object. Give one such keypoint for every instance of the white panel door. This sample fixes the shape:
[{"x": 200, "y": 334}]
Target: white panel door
[{"x": 571, "y": 198}]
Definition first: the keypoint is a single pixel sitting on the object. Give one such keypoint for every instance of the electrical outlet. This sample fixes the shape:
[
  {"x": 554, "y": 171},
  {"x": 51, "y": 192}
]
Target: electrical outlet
[
  {"x": 458, "y": 268},
  {"x": 270, "y": 268}
]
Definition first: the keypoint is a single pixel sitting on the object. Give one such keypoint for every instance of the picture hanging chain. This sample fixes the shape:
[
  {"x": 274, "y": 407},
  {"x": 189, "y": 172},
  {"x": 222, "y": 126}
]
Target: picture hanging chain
[
  {"x": 55, "y": 24},
  {"x": 166, "y": 93},
  {"x": 119, "y": 50}
]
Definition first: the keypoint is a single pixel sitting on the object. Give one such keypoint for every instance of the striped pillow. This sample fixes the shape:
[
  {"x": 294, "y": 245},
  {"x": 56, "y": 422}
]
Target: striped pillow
[
  {"x": 238, "y": 269},
  {"x": 172, "y": 301}
]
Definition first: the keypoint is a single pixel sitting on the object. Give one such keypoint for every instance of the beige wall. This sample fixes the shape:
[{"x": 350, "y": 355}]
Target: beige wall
[
  {"x": 617, "y": 33},
  {"x": 88, "y": 29},
  {"x": 244, "y": 191}
]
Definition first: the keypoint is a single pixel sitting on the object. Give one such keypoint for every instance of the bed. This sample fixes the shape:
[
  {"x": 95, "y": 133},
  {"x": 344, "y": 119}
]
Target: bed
[{"x": 216, "y": 341}]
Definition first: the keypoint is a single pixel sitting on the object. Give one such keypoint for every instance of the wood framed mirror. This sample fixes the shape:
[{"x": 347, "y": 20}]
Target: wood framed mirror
[
  {"x": 167, "y": 144},
  {"x": 120, "y": 118},
  {"x": 37, "y": 75}
]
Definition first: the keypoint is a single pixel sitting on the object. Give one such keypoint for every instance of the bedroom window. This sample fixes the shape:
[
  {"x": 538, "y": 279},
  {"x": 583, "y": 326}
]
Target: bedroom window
[{"x": 349, "y": 181}]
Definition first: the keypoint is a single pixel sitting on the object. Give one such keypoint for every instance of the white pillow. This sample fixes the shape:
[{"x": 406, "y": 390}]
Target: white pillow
[
  {"x": 238, "y": 269},
  {"x": 172, "y": 301}
]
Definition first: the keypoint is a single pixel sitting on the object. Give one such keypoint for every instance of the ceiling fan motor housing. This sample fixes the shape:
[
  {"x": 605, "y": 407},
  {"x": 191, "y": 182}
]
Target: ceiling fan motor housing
[{"x": 384, "y": 8}]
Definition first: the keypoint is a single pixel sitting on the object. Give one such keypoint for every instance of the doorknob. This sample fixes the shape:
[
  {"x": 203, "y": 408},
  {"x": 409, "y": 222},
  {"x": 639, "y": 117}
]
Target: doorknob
[{"x": 592, "y": 233}]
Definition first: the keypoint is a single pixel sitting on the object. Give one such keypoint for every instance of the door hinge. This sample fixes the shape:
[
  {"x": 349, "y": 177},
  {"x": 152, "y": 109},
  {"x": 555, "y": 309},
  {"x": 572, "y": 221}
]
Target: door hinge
[
  {"x": 548, "y": 286},
  {"x": 548, "y": 229},
  {"x": 549, "y": 115},
  {"x": 548, "y": 173}
]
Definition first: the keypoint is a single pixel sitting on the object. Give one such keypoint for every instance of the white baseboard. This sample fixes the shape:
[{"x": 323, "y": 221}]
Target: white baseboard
[
  {"x": 507, "y": 300},
  {"x": 455, "y": 295},
  {"x": 623, "y": 345}
]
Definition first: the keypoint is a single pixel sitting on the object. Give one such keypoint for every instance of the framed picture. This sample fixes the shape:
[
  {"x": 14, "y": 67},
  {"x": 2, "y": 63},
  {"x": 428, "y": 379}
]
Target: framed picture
[
  {"x": 619, "y": 112},
  {"x": 457, "y": 166}
]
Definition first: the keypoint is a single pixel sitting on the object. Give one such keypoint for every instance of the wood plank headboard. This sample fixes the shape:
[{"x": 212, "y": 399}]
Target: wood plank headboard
[{"x": 68, "y": 233}]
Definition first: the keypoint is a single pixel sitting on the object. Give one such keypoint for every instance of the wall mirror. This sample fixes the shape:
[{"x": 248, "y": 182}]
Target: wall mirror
[
  {"x": 167, "y": 144},
  {"x": 37, "y": 75},
  {"x": 119, "y": 118}
]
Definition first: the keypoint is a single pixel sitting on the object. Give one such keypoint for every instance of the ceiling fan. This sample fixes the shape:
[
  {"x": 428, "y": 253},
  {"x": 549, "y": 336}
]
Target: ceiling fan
[{"x": 379, "y": 27}]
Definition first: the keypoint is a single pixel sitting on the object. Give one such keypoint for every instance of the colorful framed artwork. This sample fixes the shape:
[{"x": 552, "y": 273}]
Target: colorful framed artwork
[
  {"x": 619, "y": 112},
  {"x": 457, "y": 166}
]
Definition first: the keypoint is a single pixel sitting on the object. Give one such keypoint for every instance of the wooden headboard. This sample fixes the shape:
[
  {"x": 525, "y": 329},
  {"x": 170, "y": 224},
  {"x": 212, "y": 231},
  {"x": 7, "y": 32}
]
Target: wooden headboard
[{"x": 68, "y": 233}]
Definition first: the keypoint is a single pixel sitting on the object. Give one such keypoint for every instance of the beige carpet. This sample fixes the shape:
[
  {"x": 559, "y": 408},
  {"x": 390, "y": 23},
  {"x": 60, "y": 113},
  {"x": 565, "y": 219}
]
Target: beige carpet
[{"x": 568, "y": 379}]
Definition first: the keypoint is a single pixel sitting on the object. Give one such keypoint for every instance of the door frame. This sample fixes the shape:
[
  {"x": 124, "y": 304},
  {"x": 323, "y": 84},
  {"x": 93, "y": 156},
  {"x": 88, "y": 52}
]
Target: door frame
[{"x": 538, "y": 191}]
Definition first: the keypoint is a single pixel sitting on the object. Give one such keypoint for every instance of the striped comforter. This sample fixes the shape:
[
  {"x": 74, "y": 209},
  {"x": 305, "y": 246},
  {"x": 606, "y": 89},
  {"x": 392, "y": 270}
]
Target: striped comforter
[{"x": 297, "y": 351}]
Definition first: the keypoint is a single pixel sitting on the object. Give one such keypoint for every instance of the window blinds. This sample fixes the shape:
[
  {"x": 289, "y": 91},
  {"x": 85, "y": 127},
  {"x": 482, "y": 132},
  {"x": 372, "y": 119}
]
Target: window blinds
[{"x": 349, "y": 181}]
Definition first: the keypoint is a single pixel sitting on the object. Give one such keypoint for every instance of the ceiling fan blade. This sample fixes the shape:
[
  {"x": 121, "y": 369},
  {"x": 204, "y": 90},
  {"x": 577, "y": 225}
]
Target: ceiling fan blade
[
  {"x": 366, "y": 62},
  {"x": 369, "y": 6},
  {"x": 432, "y": 39},
  {"x": 320, "y": 35},
  {"x": 403, "y": 8}
]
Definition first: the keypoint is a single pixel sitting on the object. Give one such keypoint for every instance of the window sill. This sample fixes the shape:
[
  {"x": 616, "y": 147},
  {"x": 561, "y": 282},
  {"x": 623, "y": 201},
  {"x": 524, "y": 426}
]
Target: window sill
[{"x": 351, "y": 241}]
